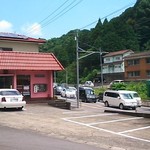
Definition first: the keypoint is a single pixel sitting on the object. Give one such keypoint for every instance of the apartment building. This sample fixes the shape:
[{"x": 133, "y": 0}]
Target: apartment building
[
  {"x": 137, "y": 66},
  {"x": 113, "y": 66}
]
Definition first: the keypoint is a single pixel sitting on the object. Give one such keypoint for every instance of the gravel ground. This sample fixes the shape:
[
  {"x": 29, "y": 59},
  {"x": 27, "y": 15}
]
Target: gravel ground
[{"x": 48, "y": 120}]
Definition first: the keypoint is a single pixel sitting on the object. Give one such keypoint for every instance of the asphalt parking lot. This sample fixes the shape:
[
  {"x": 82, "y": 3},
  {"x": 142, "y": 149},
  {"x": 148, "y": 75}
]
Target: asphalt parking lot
[{"x": 88, "y": 124}]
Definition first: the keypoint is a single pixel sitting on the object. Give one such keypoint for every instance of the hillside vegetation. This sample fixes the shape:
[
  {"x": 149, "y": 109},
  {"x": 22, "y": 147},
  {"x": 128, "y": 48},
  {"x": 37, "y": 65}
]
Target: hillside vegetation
[{"x": 130, "y": 30}]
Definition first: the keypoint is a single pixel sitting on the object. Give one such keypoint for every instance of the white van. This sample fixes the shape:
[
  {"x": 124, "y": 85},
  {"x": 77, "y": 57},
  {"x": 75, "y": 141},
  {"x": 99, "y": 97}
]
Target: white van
[
  {"x": 122, "y": 99},
  {"x": 136, "y": 96}
]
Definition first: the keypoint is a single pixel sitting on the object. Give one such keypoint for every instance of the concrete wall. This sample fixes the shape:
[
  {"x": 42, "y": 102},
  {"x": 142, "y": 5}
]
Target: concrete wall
[{"x": 20, "y": 46}]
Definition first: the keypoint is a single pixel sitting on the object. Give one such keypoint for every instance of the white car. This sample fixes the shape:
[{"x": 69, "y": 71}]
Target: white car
[
  {"x": 115, "y": 82},
  {"x": 89, "y": 83},
  {"x": 67, "y": 92},
  {"x": 136, "y": 96},
  {"x": 11, "y": 98}
]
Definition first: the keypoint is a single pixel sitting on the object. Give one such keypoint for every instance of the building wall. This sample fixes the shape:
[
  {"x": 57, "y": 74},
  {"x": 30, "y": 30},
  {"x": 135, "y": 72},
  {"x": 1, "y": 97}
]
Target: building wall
[
  {"x": 20, "y": 46},
  {"x": 131, "y": 71},
  {"x": 36, "y": 78}
]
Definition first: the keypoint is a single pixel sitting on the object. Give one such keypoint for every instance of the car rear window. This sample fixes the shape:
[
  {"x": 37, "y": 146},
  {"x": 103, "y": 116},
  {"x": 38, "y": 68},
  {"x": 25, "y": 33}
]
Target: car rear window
[{"x": 9, "y": 93}]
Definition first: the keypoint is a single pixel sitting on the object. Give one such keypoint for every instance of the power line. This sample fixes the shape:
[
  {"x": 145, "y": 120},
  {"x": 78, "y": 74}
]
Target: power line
[
  {"x": 107, "y": 16},
  {"x": 58, "y": 15},
  {"x": 34, "y": 27}
]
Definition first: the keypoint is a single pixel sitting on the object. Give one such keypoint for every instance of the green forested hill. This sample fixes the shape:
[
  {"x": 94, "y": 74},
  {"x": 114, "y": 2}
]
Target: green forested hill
[{"x": 131, "y": 30}]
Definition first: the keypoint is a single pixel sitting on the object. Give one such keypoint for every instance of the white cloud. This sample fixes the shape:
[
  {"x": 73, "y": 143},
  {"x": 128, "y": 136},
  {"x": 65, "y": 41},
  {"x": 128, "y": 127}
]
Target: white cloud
[
  {"x": 32, "y": 30},
  {"x": 5, "y": 26}
]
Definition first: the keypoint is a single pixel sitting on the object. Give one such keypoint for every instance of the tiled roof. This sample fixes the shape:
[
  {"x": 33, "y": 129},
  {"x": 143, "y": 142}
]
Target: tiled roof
[
  {"x": 138, "y": 55},
  {"x": 17, "y": 37},
  {"x": 28, "y": 61},
  {"x": 117, "y": 53}
]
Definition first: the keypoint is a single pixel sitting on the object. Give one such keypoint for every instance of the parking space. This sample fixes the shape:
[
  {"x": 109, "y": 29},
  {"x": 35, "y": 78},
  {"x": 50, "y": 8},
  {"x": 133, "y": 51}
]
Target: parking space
[{"x": 93, "y": 116}]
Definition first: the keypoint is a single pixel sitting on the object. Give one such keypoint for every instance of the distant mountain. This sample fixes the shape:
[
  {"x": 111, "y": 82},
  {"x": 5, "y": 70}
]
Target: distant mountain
[{"x": 131, "y": 30}]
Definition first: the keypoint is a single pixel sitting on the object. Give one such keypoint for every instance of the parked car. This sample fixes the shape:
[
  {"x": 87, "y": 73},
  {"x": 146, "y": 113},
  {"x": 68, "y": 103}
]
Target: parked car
[
  {"x": 86, "y": 94},
  {"x": 115, "y": 82},
  {"x": 72, "y": 88},
  {"x": 57, "y": 89},
  {"x": 11, "y": 98},
  {"x": 89, "y": 83},
  {"x": 122, "y": 99},
  {"x": 69, "y": 93},
  {"x": 136, "y": 96}
]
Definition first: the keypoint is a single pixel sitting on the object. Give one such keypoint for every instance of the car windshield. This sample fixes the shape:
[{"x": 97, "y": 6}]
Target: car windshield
[
  {"x": 10, "y": 93},
  {"x": 89, "y": 91},
  {"x": 126, "y": 95}
]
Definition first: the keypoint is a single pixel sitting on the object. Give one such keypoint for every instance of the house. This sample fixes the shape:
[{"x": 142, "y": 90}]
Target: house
[
  {"x": 113, "y": 66},
  {"x": 137, "y": 66},
  {"x": 22, "y": 66}
]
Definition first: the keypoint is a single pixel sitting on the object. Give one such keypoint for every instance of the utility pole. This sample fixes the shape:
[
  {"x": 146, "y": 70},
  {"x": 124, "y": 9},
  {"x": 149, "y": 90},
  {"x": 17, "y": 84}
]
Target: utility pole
[
  {"x": 101, "y": 67},
  {"x": 77, "y": 61}
]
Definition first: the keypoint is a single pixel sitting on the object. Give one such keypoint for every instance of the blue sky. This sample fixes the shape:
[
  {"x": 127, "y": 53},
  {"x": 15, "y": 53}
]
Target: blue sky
[{"x": 53, "y": 18}]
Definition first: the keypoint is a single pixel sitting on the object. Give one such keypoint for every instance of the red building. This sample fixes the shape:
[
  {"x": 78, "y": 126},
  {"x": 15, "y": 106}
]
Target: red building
[
  {"x": 22, "y": 67},
  {"x": 137, "y": 66}
]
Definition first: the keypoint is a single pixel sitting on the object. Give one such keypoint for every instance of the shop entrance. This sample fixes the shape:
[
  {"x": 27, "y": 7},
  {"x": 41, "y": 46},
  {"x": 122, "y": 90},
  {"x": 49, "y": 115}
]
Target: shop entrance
[
  {"x": 6, "y": 82},
  {"x": 23, "y": 84}
]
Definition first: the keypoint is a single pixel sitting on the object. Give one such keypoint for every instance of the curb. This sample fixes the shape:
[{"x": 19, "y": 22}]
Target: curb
[{"x": 145, "y": 115}]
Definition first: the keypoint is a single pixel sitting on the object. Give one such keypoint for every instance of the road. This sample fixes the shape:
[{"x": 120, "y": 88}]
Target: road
[{"x": 14, "y": 139}]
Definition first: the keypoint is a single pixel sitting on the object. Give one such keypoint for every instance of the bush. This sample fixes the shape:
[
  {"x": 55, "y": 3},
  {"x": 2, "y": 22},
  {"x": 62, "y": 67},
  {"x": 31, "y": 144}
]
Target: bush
[{"x": 118, "y": 86}]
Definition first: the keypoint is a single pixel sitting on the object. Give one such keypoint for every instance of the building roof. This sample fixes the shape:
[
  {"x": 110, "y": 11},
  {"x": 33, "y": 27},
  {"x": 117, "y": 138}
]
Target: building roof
[
  {"x": 28, "y": 61},
  {"x": 17, "y": 37},
  {"x": 138, "y": 55},
  {"x": 117, "y": 53}
]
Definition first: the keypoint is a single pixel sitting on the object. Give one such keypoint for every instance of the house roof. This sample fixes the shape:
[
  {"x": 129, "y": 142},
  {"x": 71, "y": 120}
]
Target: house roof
[
  {"x": 17, "y": 37},
  {"x": 117, "y": 53},
  {"x": 138, "y": 55},
  {"x": 28, "y": 61}
]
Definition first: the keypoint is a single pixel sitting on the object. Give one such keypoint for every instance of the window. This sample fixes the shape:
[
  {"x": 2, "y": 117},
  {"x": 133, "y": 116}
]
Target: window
[
  {"x": 5, "y": 49},
  {"x": 107, "y": 59},
  {"x": 39, "y": 75},
  {"x": 133, "y": 62},
  {"x": 148, "y": 60},
  {"x": 148, "y": 72},
  {"x": 40, "y": 88},
  {"x": 134, "y": 74},
  {"x": 117, "y": 58},
  {"x": 111, "y": 94}
]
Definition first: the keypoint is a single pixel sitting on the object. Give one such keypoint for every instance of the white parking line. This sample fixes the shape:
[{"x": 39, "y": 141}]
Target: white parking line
[
  {"x": 137, "y": 129},
  {"x": 117, "y": 120},
  {"x": 89, "y": 116},
  {"x": 109, "y": 131},
  {"x": 83, "y": 124}
]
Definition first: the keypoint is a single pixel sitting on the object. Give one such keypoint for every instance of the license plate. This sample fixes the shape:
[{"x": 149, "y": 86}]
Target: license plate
[{"x": 14, "y": 99}]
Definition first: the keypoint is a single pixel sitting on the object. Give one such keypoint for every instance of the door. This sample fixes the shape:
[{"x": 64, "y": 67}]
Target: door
[{"x": 23, "y": 84}]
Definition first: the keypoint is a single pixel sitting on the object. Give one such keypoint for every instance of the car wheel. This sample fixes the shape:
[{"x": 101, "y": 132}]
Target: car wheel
[
  {"x": 121, "y": 106},
  {"x": 106, "y": 104}
]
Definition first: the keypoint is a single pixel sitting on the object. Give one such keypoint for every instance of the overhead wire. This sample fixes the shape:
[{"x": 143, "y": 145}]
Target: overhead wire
[
  {"x": 34, "y": 26},
  {"x": 107, "y": 16},
  {"x": 58, "y": 15}
]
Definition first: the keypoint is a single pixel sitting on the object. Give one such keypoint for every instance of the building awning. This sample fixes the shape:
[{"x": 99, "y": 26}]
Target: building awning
[{"x": 29, "y": 61}]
